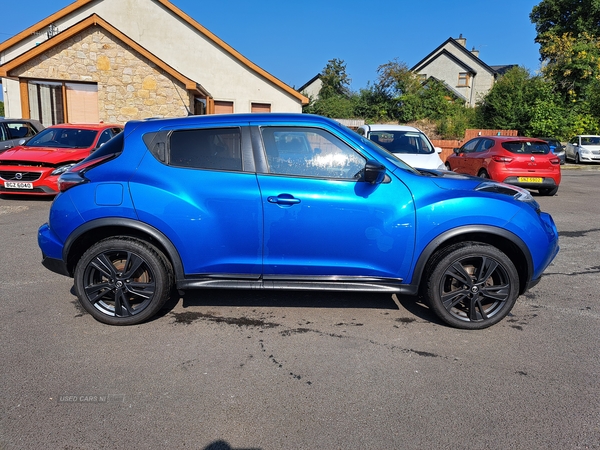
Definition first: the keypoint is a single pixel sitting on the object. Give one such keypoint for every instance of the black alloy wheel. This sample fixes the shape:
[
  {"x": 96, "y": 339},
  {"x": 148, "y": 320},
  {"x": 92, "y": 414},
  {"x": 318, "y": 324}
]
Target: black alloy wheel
[
  {"x": 122, "y": 281},
  {"x": 472, "y": 285}
]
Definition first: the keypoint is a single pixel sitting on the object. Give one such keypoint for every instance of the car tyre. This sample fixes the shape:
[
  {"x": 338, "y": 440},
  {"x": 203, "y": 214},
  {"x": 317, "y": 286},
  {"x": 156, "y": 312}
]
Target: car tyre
[
  {"x": 549, "y": 191},
  {"x": 123, "y": 281},
  {"x": 448, "y": 166},
  {"x": 472, "y": 285},
  {"x": 577, "y": 160},
  {"x": 483, "y": 174}
]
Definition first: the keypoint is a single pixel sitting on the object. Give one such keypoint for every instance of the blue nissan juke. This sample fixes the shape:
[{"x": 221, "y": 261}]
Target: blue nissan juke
[{"x": 286, "y": 201}]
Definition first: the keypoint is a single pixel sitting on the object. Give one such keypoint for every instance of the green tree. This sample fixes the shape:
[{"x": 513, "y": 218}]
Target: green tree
[
  {"x": 559, "y": 17},
  {"x": 336, "y": 81},
  {"x": 1, "y": 109},
  {"x": 414, "y": 99},
  {"x": 335, "y": 100},
  {"x": 529, "y": 104},
  {"x": 568, "y": 32}
]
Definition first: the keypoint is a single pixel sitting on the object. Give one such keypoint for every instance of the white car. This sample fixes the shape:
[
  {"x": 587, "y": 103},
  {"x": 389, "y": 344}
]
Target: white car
[
  {"x": 409, "y": 144},
  {"x": 583, "y": 148}
]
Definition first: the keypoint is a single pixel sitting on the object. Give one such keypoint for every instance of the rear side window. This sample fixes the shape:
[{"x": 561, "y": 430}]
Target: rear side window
[
  {"x": 526, "y": 147},
  {"x": 215, "y": 149},
  {"x": 20, "y": 130}
]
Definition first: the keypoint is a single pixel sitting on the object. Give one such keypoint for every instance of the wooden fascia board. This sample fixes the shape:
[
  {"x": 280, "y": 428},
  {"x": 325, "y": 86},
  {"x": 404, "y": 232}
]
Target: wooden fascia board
[
  {"x": 92, "y": 20},
  {"x": 43, "y": 24},
  {"x": 232, "y": 51}
]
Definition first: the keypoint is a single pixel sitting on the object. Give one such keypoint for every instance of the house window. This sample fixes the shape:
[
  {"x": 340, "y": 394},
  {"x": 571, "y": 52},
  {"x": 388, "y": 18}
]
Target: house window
[
  {"x": 56, "y": 102},
  {"x": 46, "y": 102},
  {"x": 463, "y": 79},
  {"x": 260, "y": 108}
]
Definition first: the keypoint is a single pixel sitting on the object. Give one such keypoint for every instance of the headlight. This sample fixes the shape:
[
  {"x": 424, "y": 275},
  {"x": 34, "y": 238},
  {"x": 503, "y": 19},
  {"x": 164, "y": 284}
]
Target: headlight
[
  {"x": 62, "y": 169},
  {"x": 516, "y": 192}
]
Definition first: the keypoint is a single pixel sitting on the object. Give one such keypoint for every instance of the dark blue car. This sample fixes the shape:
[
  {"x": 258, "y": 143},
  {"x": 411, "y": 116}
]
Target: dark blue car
[{"x": 286, "y": 201}]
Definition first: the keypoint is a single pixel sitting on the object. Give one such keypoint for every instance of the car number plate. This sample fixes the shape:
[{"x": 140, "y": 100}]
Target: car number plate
[
  {"x": 17, "y": 185},
  {"x": 530, "y": 179}
]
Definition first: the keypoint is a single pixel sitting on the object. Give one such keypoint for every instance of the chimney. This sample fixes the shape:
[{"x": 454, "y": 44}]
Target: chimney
[
  {"x": 461, "y": 40},
  {"x": 475, "y": 52}
]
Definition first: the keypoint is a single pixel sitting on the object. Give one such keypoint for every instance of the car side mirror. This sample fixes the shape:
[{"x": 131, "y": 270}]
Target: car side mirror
[
  {"x": 456, "y": 151},
  {"x": 438, "y": 150},
  {"x": 22, "y": 141},
  {"x": 374, "y": 172}
]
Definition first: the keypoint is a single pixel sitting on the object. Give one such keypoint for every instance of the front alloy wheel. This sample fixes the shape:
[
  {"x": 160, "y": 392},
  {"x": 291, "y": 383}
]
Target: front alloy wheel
[
  {"x": 472, "y": 286},
  {"x": 122, "y": 281}
]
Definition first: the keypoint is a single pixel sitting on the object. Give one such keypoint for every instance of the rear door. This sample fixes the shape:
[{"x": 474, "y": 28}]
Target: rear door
[{"x": 202, "y": 192}]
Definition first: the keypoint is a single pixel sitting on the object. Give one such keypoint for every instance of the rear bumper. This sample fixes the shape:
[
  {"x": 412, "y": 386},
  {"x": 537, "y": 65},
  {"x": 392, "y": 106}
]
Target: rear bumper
[
  {"x": 55, "y": 265},
  {"x": 546, "y": 183},
  {"x": 52, "y": 248}
]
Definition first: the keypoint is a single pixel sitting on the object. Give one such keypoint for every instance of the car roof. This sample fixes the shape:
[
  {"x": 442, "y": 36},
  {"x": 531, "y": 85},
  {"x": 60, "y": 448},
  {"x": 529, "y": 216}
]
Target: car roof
[
  {"x": 154, "y": 123},
  {"x": 511, "y": 138},
  {"x": 87, "y": 126},
  {"x": 389, "y": 127}
]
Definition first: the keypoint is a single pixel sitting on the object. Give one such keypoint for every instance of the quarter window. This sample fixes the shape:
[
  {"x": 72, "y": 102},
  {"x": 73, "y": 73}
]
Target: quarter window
[
  {"x": 310, "y": 152},
  {"x": 217, "y": 149}
]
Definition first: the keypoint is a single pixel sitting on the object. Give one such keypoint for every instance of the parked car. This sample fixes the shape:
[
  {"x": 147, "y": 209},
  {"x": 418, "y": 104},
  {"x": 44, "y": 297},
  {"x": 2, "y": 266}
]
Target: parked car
[
  {"x": 34, "y": 167},
  {"x": 228, "y": 201},
  {"x": 524, "y": 162},
  {"x": 409, "y": 144},
  {"x": 555, "y": 147},
  {"x": 17, "y": 131},
  {"x": 583, "y": 148}
]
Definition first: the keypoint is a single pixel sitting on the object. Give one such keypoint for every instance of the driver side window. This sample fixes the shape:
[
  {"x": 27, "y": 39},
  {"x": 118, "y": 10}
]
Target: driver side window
[{"x": 310, "y": 152}]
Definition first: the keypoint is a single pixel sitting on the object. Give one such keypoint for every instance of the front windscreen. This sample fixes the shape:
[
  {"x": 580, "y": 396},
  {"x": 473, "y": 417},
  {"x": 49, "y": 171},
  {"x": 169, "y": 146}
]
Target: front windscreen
[
  {"x": 396, "y": 141},
  {"x": 63, "y": 138}
]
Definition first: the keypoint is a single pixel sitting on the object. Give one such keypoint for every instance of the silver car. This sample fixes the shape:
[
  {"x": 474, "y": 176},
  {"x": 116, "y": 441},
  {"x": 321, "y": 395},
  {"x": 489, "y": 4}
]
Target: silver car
[
  {"x": 583, "y": 148},
  {"x": 15, "y": 132}
]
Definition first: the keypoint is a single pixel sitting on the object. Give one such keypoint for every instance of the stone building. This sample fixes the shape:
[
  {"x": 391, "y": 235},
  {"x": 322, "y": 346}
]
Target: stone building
[{"x": 118, "y": 60}]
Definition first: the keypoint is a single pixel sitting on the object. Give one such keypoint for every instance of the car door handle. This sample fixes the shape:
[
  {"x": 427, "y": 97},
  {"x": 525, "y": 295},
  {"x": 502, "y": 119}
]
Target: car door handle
[{"x": 283, "y": 199}]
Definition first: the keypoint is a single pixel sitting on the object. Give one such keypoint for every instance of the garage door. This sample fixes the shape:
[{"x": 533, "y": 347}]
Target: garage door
[{"x": 223, "y": 107}]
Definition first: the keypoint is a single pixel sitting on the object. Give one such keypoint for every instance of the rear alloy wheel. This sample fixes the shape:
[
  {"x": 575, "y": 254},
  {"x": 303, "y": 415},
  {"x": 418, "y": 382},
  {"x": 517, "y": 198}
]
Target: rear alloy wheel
[
  {"x": 549, "y": 191},
  {"x": 472, "y": 286},
  {"x": 483, "y": 174},
  {"x": 122, "y": 281}
]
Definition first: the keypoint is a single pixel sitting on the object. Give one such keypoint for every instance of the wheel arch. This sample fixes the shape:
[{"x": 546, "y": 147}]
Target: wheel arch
[
  {"x": 504, "y": 240},
  {"x": 96, "y": 230}
]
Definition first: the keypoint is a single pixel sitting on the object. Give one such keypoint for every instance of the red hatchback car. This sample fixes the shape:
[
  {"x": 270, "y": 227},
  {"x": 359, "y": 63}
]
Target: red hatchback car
[
  {"x": 520, "y": 161},
  {"x": 34, "y": 167}
]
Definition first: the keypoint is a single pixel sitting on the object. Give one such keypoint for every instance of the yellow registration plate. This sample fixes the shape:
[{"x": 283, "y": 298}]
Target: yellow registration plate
[{"x": 530, "y": 179}]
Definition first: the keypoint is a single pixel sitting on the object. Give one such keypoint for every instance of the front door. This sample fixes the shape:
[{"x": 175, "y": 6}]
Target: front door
[{"x": 319, "y": 220}]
